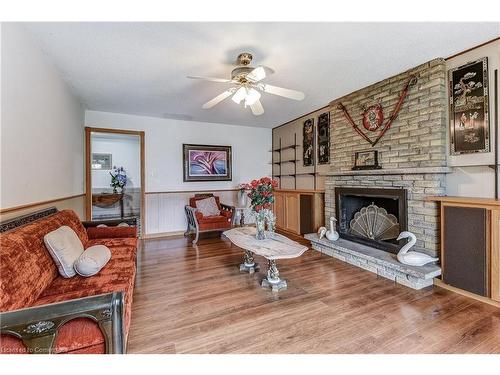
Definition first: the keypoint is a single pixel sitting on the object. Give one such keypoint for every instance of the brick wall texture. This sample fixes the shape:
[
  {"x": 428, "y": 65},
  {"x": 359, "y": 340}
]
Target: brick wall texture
[{"x": 416, "y": 139}]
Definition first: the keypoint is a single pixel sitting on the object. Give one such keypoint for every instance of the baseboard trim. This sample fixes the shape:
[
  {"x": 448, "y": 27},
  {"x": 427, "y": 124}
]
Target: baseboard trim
[
  {"x": 489, "y": 301},
  {"x": 163, "y": 234}
]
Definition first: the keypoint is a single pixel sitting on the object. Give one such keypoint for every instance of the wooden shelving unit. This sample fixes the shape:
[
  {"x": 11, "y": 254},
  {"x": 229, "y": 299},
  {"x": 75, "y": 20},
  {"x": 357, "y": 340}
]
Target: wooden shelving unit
[{"x": 277, "y": 160}]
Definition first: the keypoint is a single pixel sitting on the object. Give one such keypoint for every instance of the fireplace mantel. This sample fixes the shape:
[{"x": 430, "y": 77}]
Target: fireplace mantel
[{"x": 398, "y": 171}]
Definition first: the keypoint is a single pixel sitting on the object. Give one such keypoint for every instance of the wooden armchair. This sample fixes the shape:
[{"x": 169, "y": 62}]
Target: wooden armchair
[{"x": 198, "y": 223}]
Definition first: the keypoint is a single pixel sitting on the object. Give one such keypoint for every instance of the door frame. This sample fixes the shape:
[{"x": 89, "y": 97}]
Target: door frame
[{"x": 88, "y": 171}]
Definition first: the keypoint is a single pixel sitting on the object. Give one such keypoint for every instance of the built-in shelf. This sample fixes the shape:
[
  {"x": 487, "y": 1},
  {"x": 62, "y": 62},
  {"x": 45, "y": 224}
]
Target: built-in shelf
[
  {"x": 296, "y": 174},
  {"x": 285, "y": 161},
  {"x": 284, "y": 148},
  {"x": 276, "y": 160}
]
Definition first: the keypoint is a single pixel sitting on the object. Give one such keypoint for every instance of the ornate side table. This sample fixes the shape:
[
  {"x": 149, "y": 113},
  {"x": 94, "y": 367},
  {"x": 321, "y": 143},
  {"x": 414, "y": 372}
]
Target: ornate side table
[{"x": 274, "y": 247}]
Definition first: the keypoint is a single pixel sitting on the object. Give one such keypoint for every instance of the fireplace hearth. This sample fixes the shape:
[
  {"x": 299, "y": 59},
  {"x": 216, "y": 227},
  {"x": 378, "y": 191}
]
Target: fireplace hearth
[{"x": 372, "y": 216}]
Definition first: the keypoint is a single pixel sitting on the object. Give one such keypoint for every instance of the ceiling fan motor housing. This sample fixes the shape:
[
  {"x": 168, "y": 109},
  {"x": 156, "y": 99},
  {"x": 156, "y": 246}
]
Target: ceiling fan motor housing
[{"x": 239, "y": 74}]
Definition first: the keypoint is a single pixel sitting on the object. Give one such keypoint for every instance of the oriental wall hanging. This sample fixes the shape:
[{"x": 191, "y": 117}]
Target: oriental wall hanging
[
  {"x": 207, "y": 163},
  {"x": 308, "y": 143},
  {"x": 469, "y": 123},
  {"x": 324, "y": 138},
  {"x": 373, "y": 116}
]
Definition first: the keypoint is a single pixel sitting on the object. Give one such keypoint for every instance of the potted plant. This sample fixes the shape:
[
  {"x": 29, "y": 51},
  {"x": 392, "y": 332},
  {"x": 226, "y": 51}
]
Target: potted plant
[
  {"x": 261, "y": 199},
  {"x": 118, "y": 179}
]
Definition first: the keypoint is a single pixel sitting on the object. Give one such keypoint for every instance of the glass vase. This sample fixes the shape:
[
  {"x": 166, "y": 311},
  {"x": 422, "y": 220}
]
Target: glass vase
[
  {"x": 242, "y": 198},
  {"x": 260, "y": 224}
]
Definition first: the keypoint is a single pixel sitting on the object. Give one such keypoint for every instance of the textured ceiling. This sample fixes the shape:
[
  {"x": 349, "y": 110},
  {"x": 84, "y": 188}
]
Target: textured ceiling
[{"x": 141, "y": 68}]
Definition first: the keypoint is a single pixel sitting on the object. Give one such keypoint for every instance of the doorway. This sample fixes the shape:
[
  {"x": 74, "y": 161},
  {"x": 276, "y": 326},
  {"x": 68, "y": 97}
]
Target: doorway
[{"x": 114, "y": 179}]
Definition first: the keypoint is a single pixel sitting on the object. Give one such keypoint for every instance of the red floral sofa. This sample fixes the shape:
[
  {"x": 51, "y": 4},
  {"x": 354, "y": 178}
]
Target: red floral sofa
[{"x": 29, "y": 278}]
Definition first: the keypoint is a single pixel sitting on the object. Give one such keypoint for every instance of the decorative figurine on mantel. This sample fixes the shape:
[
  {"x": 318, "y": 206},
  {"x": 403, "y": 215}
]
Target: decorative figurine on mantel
[
  {"x": 412, "y": 258},
  {"x": 332, "y": 234},
  {"x": 321, "y": 232}
]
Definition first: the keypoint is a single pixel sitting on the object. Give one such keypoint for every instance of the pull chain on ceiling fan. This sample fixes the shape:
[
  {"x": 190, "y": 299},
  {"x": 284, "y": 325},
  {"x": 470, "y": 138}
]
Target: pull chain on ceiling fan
[{"x": 248, "y": 86}]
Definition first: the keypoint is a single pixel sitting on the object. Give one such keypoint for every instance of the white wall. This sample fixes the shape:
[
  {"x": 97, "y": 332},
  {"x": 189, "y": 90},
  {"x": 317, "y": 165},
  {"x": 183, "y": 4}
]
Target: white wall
[
  {"x": 163, "y": 144},
  {"x": 163, "y": 165},
  {"x": 41, "y": 125},
  {"x": 471, "y": 177},
  {"x": 126, "y": 153}
]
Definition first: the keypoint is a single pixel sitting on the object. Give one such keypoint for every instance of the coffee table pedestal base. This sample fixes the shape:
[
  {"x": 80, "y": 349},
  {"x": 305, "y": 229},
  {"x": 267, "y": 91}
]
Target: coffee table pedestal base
[
  {"x": 248, "y": 264},
  {"x": 273, "y": 280}
]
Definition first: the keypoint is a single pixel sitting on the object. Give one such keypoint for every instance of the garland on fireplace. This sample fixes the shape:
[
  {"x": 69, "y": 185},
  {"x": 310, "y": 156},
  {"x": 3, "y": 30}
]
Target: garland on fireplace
[{"x": 373, "y": 116}]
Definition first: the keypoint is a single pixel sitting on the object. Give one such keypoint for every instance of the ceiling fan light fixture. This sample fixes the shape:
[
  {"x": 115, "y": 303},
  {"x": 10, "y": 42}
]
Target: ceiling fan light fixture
[
  {"x": 252, "y": 96},
  {"x": 239, "y": 95}
]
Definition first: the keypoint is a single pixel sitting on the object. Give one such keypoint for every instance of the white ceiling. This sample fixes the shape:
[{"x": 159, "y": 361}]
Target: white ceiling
[{"x": 141, "y": 68}]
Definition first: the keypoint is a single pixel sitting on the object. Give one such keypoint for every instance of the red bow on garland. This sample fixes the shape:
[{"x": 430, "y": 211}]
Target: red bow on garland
[{"x": 412, "y": 81}]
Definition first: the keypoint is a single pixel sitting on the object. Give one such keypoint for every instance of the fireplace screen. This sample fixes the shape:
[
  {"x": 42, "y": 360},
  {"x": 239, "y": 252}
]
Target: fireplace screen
[
  {"x": 375, "y": 223},
  {"x": 373, "y": 217}
]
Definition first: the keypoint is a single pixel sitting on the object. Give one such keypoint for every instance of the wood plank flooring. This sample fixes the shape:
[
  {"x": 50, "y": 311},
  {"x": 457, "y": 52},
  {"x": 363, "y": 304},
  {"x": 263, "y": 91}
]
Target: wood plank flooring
[{"x": 194, "y": 300}]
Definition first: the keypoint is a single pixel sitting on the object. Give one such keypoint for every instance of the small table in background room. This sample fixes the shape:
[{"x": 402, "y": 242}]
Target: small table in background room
[{"x": 275, "y": 246}]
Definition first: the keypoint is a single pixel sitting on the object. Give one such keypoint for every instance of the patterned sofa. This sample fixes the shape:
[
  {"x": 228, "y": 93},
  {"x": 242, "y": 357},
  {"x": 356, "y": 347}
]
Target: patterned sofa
[{"x": 79, "y": 314}]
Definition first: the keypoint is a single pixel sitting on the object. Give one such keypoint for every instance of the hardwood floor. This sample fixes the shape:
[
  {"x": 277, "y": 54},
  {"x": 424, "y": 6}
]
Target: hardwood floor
[{"x": 195, "y": 300}]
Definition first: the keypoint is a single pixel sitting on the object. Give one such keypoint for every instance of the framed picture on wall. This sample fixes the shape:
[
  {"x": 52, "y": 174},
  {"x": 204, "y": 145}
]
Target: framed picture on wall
[
  {"x": 324, "y": 138},
  {"x": 469, "y": 122},
  {"x": 207, "y": 163},
  {"x": 102, "y": 161},
  {"x": 366, "y": 160},
  {"x": 308, "y": 143}
]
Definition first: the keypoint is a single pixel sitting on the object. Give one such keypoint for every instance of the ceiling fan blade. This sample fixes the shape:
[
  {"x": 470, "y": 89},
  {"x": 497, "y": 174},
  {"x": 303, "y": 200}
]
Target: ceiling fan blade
[
  {"x": 287, "y": 93},
  {"x": 257, "y": 108},
  {"x": 222, "y": 80},
  {"x": 219, "y": 98},
  {"x": 257, "y": 74}
]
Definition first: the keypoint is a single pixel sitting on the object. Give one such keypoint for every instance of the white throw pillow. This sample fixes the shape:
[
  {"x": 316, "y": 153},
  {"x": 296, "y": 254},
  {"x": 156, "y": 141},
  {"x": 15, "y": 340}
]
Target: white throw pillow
[
  {"x": 65, "y": 247},
  {"x": 92, "y": 260},
  {"x": 208, "y": 207}
]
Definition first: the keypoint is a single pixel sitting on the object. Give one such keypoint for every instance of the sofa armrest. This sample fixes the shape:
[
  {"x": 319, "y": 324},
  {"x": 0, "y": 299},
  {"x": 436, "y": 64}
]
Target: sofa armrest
[
  {"x": 38, "y": 326},
  {"x": 110, "y": 223},
  {"x": 95, "y": 233}
]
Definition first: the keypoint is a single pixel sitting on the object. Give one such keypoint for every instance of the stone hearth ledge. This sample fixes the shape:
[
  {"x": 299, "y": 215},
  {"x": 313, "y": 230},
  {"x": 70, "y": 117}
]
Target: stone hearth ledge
[
  {"x": 399, "y": 171},
  {"x": 377, "y": 261}
]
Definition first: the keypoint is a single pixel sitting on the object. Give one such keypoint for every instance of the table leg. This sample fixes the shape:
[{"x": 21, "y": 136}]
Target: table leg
[
  {"x": 273, "y": 278},
  {"x": 249, "y": 264}
]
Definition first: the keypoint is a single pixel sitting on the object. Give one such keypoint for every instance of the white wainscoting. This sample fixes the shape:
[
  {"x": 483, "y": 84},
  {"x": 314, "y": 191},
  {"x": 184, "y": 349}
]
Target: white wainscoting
[{"x": 165, "y": 210}]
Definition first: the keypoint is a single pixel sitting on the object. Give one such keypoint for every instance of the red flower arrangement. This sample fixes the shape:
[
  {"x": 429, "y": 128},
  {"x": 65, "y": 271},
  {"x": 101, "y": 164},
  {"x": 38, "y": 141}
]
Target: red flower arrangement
[{"x": 262, "y": 193}]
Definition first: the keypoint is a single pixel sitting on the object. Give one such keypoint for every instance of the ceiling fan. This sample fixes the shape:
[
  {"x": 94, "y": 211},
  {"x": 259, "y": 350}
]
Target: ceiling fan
[{"x": 248, "y": 84}]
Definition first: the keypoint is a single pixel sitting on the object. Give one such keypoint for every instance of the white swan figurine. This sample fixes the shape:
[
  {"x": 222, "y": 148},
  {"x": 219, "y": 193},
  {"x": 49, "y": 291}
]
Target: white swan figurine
[
  {"x": 321, "y": 232},
  {"x": 412, "y": 258},
  {"x": 332, "y": 234}
]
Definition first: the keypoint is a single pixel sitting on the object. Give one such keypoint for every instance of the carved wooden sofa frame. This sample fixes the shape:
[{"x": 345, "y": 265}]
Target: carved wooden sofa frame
[
  {"x": 192, "y": 221},
  {"x": 38, "y": 326}
]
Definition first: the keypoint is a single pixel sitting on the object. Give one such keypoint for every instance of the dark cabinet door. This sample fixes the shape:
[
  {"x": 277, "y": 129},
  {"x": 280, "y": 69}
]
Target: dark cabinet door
[{"x": 465, "y": 263}]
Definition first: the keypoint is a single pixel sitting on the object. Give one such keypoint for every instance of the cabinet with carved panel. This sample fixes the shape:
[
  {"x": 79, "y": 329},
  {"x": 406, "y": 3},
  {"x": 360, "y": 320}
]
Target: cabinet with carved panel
[{"x": 470, "y": 245}]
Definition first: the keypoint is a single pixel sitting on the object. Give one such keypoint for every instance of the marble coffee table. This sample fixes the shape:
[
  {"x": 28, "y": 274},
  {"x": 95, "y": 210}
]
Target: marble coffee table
[{"x": 275, "y": 246}]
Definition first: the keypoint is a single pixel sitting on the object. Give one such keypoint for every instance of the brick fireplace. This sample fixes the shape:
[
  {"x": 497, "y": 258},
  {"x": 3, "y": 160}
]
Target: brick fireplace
[{"x": 412, "y": 156}]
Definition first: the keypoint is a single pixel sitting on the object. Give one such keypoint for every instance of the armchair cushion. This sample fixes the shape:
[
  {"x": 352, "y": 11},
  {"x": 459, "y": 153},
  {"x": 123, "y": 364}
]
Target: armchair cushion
[
  {"x": 208, "y": 207},
  {"x": 214, "y": 222},
  {"x": 192, "y": 200}
]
